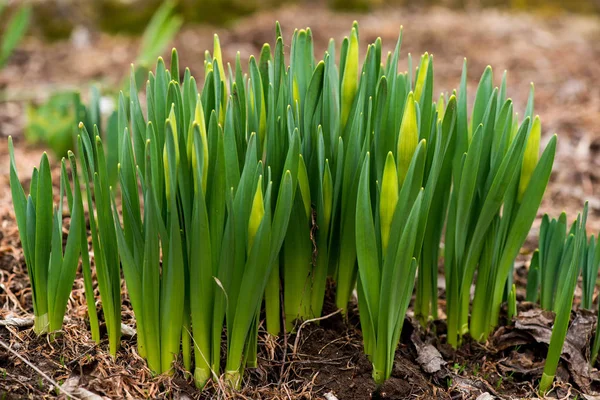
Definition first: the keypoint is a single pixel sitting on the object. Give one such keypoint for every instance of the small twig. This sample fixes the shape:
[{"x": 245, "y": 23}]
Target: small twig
[
  {"x": 10, "y": 294},
  {"x": 21, "y": 323},
  {"x": 17, "y": 322},
  {"x": 320, "y": 362},
  {"x": 39, "y": 371},
  {"x": 309, "y": 321},
  {"x": 275, "y": 363}
]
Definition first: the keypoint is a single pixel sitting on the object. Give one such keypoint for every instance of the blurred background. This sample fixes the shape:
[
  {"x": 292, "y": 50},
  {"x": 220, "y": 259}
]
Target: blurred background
[
  {"x": 56, "y": 19},
  {"x": 53, "y": 52}
]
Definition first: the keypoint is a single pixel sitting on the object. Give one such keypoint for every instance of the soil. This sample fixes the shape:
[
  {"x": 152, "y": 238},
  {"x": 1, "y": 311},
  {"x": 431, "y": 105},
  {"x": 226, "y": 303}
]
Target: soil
[{"x": 560, "y": 54}]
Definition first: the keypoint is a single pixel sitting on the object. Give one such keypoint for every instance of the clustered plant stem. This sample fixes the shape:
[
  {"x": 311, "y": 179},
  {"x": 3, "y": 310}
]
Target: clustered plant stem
[
  {"x": 569, "y": 270},
  {"x": 40, "y": 221},
  {"x": 258, "y": 186}
]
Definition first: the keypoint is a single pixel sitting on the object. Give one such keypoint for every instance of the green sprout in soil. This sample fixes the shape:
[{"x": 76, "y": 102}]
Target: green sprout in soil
[{"x": 270, "y": 178}]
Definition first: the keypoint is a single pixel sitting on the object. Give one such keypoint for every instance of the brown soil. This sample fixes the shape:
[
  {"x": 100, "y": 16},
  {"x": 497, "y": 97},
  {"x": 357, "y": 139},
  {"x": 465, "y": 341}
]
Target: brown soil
[{"x": 560, "y": 54}]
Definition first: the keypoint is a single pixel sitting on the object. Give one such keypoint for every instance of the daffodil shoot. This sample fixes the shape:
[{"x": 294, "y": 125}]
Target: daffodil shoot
[{"x": 228, "y": 205}]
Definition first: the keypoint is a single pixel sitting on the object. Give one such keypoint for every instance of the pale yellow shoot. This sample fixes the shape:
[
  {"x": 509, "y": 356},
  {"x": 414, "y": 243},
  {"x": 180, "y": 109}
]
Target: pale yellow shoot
[
  {"x": 423, "y": 66},
  {"x": 350, "y": 79},
  {"x": 218, "y": 57},
  {"x": 388, "y": 199},
  {"x": 200, "y": 121},
  {"x": 408, "y": 138},
  {"x": 208, "y": 67},
  {"x": 256, "y": 214},
  {"x": 295, "y": 93},
  {"x": 172, "y": 123},
  {"x": 441, "y": 107},
  {"x": 531, "y": 156}
]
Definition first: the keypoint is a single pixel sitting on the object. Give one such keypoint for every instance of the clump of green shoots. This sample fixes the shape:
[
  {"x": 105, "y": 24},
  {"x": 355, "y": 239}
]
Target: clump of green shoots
[
  {"x": 401, "y": 171},
  {"x": 574, "y": 252},
  {"x": 259, "y": 185},
  {"x": 498, "y": 184},
  {"x": 211, "y": 206},
  {"x": 51, "y": 268},
  {"x": 104, "y": 238},
  {"x": 589, "y": 272},
  {"x": 548, "y": 263}
]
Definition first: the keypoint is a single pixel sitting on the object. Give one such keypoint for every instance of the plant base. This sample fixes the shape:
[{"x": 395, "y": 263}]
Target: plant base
[
  {"x": 233, "y": 379},
  {"x": 201, "y": 376},
  {"x": 545, "y": 383},
  {"x": 378, "y": 376},
  {"x": 41, "y": 323}
]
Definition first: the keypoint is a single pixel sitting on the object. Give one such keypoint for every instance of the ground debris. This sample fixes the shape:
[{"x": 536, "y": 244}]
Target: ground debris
[
  {"x": 71, "y": 385},
  {"x": 429, "y": 357},
  {"x": 535, "y": 326},
  {"x": 471, "y": 388},
  {"x": 27, "y": 322}
]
